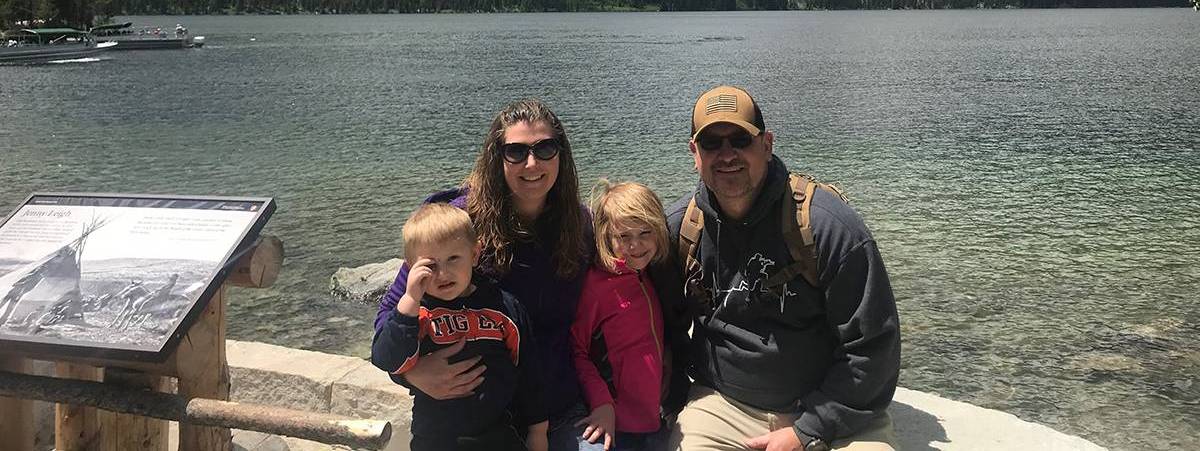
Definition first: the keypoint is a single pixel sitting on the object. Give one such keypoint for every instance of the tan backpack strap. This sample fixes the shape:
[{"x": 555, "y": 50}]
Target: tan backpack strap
[
  {"x": 689, "y": 240},
  {"x": 794, "y": 215},
  {"x": 797, "y": 233},
  {"x": 803, "y": 218},
  {"x": 689, "y": 235},
  {"x": 834, "y": 190}
]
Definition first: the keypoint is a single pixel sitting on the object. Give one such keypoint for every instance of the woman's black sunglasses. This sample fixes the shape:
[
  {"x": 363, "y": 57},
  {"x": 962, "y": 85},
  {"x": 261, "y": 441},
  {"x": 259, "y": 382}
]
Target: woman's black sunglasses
[
  {"x": 739, "y": 140},
  {"x": 517, "y": 153}
]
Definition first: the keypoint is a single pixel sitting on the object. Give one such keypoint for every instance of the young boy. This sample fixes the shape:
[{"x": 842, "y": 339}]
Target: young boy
[{"x": 443, "y": 305}]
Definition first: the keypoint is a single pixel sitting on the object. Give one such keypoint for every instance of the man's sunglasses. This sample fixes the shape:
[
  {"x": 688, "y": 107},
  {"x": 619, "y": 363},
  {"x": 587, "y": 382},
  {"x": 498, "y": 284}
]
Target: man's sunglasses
[
  {"x": 517, "y": 153},
  {"x": 738, "y": 140}
]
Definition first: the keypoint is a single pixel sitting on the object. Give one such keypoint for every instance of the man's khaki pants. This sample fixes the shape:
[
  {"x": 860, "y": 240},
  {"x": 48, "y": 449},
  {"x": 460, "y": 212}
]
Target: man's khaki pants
[{"x": 712, "y": 422}]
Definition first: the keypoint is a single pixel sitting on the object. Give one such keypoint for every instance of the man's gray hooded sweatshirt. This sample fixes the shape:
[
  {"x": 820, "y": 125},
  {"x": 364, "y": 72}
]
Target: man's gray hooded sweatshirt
[{"x": 830, "y": 352}]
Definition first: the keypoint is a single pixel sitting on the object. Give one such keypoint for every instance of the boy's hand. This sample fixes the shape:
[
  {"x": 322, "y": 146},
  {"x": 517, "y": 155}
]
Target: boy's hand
[
  {"x": 600, "y": 423},
  {"x": 537, "y": 439},
  {"x": 419, "y": 277}
]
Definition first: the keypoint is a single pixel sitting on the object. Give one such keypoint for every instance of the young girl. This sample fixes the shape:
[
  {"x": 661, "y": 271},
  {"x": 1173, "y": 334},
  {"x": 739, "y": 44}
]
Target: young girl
[{"x": 618, "y": 335}]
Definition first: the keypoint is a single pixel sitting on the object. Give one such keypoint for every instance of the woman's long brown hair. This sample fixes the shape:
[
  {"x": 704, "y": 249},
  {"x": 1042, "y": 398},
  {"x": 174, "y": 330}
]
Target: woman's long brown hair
[{"x": 489, "y": 199}]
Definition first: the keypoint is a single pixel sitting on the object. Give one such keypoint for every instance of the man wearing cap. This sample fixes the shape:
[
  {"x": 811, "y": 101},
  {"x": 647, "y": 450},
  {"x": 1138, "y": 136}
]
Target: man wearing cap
[{"x": 778, "y": 364}]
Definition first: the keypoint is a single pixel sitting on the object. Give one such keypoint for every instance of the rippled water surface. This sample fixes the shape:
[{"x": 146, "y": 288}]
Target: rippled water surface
[{"x": 1032, "y": 176}]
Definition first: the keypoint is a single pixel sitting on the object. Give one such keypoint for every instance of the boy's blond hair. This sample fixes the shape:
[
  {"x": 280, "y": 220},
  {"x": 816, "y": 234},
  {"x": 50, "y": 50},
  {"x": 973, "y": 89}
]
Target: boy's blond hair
[
  {"x": 626, "y": 201},
  {"x": 435, "y": 224}
]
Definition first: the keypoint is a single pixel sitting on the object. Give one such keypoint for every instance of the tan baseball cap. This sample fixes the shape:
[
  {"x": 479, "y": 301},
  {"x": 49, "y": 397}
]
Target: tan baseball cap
[{"x": 726, "y": 104}]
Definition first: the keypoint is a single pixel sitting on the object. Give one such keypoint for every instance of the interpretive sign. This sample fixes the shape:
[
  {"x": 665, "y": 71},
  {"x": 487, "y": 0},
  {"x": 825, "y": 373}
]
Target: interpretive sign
[{"x": 114, "y": 275}]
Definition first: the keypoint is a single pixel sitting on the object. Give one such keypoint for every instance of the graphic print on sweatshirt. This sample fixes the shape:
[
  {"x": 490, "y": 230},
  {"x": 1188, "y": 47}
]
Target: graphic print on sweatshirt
[
  {"x": 444, "y": 326},
  {"x": 749, "y": 281}
]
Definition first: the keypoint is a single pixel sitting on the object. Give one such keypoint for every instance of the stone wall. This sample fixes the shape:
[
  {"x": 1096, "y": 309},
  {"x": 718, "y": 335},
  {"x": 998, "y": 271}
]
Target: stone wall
[{"x": 318, "y": 382}]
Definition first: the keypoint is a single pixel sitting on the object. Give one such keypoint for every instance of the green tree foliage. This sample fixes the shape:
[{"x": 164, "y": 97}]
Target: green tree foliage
[
  {"x": 50, "y": 13},
  {"x": 118, "y": 7},
  {"x": 80, "y": 13}
]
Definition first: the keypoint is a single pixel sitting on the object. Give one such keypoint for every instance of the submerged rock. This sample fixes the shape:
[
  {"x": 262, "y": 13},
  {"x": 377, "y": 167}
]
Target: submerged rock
[
  {"x": 366, "y": 283},
  {"x": 1103, "y": 361}
]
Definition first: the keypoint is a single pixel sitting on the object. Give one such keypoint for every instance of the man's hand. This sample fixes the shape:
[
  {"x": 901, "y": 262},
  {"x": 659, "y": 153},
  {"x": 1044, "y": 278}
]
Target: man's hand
[
  {"x": 600, "y": 423},
  {"x": 781, "y": 440},
  {"x": 538, "y": 437},
  {"x": 439, "y": 379}
]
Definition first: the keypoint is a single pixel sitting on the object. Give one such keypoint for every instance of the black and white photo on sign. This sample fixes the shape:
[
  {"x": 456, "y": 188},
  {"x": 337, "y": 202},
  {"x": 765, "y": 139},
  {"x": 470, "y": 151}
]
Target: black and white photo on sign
[{"x": 112, "y": 277}]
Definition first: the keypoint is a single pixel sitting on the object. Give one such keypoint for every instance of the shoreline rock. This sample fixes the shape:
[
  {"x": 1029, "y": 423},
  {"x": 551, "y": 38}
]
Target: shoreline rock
[{"x": 364, "y": 284}]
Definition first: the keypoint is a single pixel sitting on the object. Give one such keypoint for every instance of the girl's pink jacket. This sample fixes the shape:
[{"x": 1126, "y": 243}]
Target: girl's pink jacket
[{"x": 623, "y": 307}]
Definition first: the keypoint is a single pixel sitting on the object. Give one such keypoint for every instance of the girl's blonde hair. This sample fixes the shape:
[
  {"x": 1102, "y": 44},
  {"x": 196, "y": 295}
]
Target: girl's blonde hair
[
  {"x": 625, "y": 201},
  {"x": 433, "y": 225}
]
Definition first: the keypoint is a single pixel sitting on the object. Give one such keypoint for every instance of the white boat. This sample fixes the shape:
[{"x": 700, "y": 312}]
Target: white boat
[
  {"x": 146, "y": 38},
  {"x": 31, "y": 45}
]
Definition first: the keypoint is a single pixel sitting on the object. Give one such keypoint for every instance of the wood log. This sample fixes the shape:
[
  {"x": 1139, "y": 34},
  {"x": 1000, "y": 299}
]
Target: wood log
[
  {"x": 76, "y": 427},
  {"x": 324, "y": 428},
  {"x": 204, "y": 373},
  {"x": 121, "y": 432},
  {"x": 259, "y": 267},
  {"x": 16, "y": 414}
]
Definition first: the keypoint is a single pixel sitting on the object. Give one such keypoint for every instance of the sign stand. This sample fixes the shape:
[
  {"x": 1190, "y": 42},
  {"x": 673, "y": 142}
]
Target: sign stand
[
  {"x": 198, "y": 363},
  {"x": 203, "y": 373},
  {"x": 16, "y": 415},
  {"x": 76, "y": 427}
]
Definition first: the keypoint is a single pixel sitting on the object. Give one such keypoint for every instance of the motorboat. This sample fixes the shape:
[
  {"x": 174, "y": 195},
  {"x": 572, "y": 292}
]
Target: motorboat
[
  {"x": 146, "y": 37},
  {"x": 32, "y": 45}
]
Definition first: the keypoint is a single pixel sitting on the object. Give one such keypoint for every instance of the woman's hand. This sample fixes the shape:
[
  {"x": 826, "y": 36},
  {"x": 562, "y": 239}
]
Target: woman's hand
[
  {"x": 439, "y": 379},
  {"x": 600, "y": 423}
]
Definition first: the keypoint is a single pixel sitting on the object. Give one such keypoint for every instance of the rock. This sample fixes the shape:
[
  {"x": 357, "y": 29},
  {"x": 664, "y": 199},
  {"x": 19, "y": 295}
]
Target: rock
[
  {"x": 257, "y": 441},
  {"x": 366, "y": 283},
  {"x": 924, "y": 421},
  {"x": 1104, "y": 361},
  {"x": 285, "y": 377},
  {"x": 368, "y": 392}
]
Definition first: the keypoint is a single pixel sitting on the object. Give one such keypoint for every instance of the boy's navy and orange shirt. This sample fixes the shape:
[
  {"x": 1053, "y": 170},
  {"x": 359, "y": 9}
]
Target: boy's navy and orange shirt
[{"x": 495, "y": 327}]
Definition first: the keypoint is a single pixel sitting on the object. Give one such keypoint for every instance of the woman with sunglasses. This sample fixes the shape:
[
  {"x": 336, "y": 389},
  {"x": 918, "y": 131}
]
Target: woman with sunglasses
[{"x": 523, "y": 197}]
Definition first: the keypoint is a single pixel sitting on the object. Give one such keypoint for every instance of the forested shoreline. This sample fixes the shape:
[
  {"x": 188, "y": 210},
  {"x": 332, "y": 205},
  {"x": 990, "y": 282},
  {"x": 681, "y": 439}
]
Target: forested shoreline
[{"x": 85, "y": 13}]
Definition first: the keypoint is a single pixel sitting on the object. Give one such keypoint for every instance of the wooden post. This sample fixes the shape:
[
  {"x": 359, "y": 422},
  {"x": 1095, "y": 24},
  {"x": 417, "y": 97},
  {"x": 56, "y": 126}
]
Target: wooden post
[
  {"x": 76, "y": 427},
  {"x": 204, "y": 373},
  {"x": 260, "y": 267},
  {"x": 119, "y": 432},
  {"x": 16, "y": 415}
]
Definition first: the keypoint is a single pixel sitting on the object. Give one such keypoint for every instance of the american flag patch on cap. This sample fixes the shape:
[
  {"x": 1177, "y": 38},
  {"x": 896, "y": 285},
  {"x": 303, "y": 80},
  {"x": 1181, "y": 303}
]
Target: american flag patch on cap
[{"x": 721, "y": 102}]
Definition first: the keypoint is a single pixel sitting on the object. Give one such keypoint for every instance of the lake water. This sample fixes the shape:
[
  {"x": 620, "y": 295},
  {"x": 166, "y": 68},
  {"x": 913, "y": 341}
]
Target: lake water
[{"x": 1032, "y": 177}]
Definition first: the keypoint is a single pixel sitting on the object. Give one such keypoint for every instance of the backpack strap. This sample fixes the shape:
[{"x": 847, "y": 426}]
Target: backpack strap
[
  {"x": 689, "y": 240},
  {"x": 689, "y": 233},
  {"x": 797, "y": 231}
]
